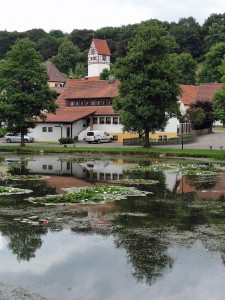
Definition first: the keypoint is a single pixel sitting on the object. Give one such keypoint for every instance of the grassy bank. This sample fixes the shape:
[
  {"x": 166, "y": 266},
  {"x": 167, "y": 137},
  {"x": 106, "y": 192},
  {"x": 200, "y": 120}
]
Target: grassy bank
[{"x": 215, "y": 154}]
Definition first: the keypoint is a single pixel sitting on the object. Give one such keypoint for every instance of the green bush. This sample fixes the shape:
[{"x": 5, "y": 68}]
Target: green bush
[
  {"x": 3, "y": 131},
  {"x": 66, "y": 140}
]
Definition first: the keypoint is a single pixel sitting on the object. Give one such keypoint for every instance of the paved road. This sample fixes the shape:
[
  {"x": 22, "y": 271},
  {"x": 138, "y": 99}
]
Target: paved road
[{"x": 215, "y": 139}]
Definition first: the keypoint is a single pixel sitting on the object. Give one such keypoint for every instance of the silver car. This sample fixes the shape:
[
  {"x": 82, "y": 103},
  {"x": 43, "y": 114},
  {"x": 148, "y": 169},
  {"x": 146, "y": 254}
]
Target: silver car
[{"x": 16, "y": 138}]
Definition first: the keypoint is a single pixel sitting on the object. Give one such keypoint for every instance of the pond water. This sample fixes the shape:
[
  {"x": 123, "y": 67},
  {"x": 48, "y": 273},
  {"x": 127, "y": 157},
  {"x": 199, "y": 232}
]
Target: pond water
[{"x": 168, "y": 244}]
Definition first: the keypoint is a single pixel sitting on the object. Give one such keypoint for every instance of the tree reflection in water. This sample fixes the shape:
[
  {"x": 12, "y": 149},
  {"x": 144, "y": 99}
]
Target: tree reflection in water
[{"x": 24, "y": 239}]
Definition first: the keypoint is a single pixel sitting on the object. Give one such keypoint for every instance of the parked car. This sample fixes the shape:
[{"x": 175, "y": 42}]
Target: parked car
[
  {"x": 98, "y": 137},
  {"x": 16, "y": 138}
]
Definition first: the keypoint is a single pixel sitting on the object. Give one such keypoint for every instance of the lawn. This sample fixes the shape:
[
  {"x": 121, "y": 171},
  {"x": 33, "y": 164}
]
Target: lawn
[{"x": 215, "y": 154}]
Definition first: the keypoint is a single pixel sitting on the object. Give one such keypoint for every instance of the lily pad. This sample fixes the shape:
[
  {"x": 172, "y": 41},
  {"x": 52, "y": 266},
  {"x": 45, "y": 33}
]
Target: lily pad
[
  {"x": 4, "y": 190},
  {"x": 90, "y": 195}
]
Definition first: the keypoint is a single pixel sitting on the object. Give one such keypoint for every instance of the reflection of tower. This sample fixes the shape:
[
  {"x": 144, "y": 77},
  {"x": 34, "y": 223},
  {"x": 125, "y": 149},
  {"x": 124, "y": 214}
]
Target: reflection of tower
[{"x": 98, "y": 57}]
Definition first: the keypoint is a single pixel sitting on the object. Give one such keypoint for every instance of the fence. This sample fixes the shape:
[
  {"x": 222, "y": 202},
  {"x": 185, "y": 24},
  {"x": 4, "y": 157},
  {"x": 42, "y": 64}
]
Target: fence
[{"x": 153, "y": 142}]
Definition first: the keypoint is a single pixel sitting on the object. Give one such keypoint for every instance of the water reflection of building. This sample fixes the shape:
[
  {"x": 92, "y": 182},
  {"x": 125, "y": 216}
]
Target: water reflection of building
[
  {"x": 204, "y": 189},
  {"x": 93, "y": 170}
]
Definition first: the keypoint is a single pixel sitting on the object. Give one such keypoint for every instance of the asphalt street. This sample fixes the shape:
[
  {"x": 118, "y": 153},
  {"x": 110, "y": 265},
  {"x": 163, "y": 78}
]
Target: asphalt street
[{"x": 216, "y": 140}]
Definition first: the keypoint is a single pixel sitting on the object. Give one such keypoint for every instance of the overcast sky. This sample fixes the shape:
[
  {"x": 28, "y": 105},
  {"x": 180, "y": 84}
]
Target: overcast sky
[{"x": 22, "y": 15}]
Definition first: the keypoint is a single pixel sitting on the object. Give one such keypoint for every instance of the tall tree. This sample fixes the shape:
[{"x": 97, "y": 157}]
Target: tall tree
[
  {"x": 188, "y": 36},
  {"x": 187, "y": 67},
  {"x": 7, "y": 39},
  {"x": 218, "y": 100},
  {"x": 148, "y": 81},
  {"x": 48, "y": 47},
  {"x": 24, "y": 92},
  {"x": 215, "y": 36},
  {"x": 35, "y": 34},
  {"x": 211, "y": 71},
  {"x": 67, "y": 57}
]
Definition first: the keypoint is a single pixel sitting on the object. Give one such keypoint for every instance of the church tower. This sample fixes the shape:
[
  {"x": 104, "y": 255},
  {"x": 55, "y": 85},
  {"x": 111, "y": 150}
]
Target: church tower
[{"x": 98, "y": 57}]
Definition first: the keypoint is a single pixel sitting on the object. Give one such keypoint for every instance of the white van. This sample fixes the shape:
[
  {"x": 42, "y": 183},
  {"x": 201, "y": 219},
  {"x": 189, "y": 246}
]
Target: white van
[{"x": 98, "y": 137}]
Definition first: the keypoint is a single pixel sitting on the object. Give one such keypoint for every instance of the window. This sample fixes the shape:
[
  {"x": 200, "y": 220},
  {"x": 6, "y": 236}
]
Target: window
[
  {"x": 108, "y": 120},
  {"x": 50, "y": 129},
  {"x": 109, "y": 102},
  {"x": 102, "y": 120},
  {"x": 44, "y": 167},
  {"x": 44, "y": 129},
  {"x": 87, "y": 103},
  {"x": 115, "y": 120},
  {"x": 115, "y": 176},
  {"x": 160, "y": 138},
  {"x": 165, "y": 138},
  {"x": 103, "y": 58},
  {"x": 93, "y": 102},
  {"x": 77, "y": 103},
  {"x": 107, "y": 176},
  {"x": 101, "y": 176},
  {"x": 95, "y": 120},
  {"x": 72, "y": 103},
  {"x": 50, "y": 167},
  {"x": 98, "y": 102},
  {"x": 103, "y": 102}
]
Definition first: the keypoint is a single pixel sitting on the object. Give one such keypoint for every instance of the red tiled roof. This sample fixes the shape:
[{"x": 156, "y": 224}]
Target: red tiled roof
[
  {"x": 70, "y": 114},
  {"x": 53, "y": 73},
  {"x": 87, "y": 89},
  {"x": 83, "y": 89},
  {"x": 207, "y": 90},
  {"x": 189, "y": 93},
  {"x": 101, "y": 46}
]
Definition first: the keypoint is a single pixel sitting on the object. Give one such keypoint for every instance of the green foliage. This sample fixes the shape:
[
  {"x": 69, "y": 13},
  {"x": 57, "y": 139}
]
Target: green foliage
[
  {"x": 187, "y": 33},
  {"x": 35, "y": 34},
  {"x": 24, "y": 92},
  {"x": 67, "y": 57},
  {"x": 80, "y": 70},
  {"x": 66, "y": 140},
  {"x": 196, "y": 116},
  {"x": 48, "y": 47},
  {"x": 105, "y": 74},
  {"x": 7, "y": 39},
  {"x": 215, "y": 36},
  {"x": 187, "y": 67},
  {"x": 91, "y": 195},
  {"x": 148, "y": 81},
  {"x": 211, "y": 71},
  {"x": 207, "y": 107},
  {"x": 3, "y": 131},
  {"x": 218, "y": 103}
]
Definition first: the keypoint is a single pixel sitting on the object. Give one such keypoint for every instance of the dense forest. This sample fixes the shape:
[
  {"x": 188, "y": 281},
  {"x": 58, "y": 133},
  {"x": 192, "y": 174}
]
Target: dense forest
[{"x": 199, "y": 53}]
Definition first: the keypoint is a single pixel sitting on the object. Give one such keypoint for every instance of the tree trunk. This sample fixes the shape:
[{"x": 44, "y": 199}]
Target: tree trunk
[
  {"x": 22, "y": 143},
  {"x": 146, "y": 141}
]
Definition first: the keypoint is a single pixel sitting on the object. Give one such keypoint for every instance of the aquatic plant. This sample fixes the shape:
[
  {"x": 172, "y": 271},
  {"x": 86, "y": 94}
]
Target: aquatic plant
[
  {"x": 197, "y": 169},
  {"x": 144, "y": 169},
  {"x": 90, "y": 195},
  {"x": 4, "y": 190},
  {"x": 23, "y": 177},
  {"x": 136, "y": 181}
]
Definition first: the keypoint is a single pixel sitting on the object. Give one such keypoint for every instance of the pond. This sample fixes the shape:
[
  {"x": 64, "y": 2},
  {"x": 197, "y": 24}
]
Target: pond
[{"x": 163, "y": 238}]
